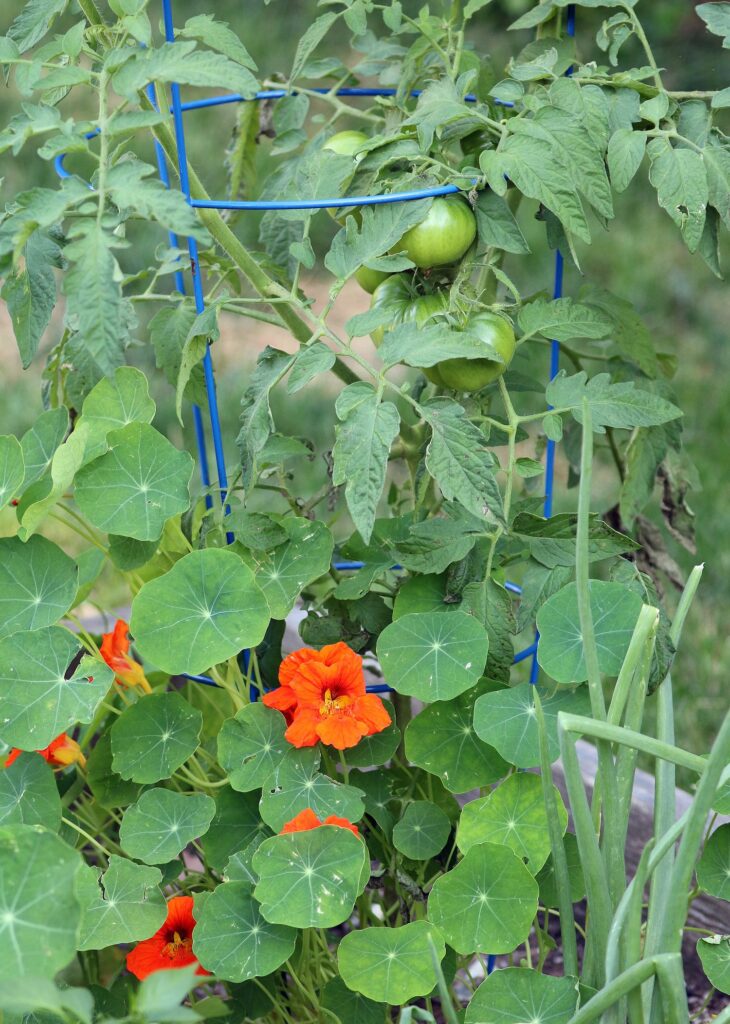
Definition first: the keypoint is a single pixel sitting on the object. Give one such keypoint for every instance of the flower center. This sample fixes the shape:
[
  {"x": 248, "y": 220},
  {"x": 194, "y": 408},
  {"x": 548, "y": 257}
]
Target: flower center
[
  {"x": 176, "y": 946},
  {"x": 333, "y": 705}
]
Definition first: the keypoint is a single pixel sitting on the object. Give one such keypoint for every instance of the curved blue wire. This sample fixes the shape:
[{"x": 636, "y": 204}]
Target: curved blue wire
[
  {"x": 278, "y": 94},
  {"x": 322, "y": 204}
]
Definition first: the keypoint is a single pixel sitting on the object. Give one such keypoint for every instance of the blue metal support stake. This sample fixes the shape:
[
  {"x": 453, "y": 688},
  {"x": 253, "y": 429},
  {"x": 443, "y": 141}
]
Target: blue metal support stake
[
  {"x": 180, "y": 285},
  {"x": 182, "y": 159}
]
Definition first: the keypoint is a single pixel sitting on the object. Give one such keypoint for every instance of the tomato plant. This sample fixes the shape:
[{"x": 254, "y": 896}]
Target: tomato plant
[{"x": 284, "y": 779}]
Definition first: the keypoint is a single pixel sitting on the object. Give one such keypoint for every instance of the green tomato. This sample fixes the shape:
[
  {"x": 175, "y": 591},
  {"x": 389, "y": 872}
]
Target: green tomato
[
  {"x": 443, "y": 236},
  {"x": 346, "y": 143},
  {"x": 370, "y": 279},
  {"x": 396, "y": 295},
  {"x": 474, "y": 374}
]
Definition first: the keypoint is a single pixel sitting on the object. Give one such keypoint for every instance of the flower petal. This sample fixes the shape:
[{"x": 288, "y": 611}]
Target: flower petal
[
  {"x": 341, "y": 731},
  {"x": 303, "y": 730}
]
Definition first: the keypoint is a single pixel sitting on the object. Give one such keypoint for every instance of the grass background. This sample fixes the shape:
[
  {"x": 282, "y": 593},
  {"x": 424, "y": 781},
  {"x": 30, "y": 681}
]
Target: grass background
[{"x": 640, "y": 257}]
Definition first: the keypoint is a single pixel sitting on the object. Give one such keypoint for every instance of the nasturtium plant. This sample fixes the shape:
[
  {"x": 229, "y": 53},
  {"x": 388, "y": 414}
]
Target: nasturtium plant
[{"x": 293, "y": 723}]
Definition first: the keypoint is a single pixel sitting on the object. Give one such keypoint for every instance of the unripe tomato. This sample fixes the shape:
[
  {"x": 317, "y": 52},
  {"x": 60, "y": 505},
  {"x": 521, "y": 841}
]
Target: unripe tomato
[
  {"x": 346, "y": 143},
  {"x": 474, "y": 374},
  {"x": 370, "y": 279},
  {"x": 396, "y": 295},
  {"x": 443, "y": 236}
]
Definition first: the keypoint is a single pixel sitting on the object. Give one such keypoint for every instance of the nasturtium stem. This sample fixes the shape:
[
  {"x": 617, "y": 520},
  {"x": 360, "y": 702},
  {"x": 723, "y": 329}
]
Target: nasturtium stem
[{"x": 85, "y": 835}]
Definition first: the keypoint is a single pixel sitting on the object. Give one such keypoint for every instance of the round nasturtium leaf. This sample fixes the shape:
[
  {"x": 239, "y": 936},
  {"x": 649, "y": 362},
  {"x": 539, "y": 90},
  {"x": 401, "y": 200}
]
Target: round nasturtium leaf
[
  {"x": 162, "y": 823},
  {"x": 512, "y": 815},
  {"x": 284, "y": 571},
  {"x": 117, "y": 401},
  {"x": 487, "y": 903},
  {"x": 615, "y": 611},
  {"x": 109, "y": 789},
  {"x": 297, "y": 784},
  {"x": 349, "y": 1006},
  {"x": 40, "y": 442},
  {"x": 546, "y": 876},
  {"x": 153, "y": 737},
  {"x": 251, "y": 746},
  {"x": 206, "y": 609},
  {"x": 392, "y": 965},
  {"x": 422, "y": 831},
  {"x": 125, "y": 904},
  {"x": 714, "y": 952},
  {"x": 38, "y": 584},
  {"x": 433, "y": 656},
  {"x": 376, "y": 749},
  {"x": 37, "y": 700},
  {"x": 28, "y": 794},
  {"x": 236, "y": 823},
  {"x": 39, "y": 912},
  {"x": 12, "y": 468},
  {"x": 506, "y": 719},
  {"x": 134, "y": 487},
  {"x": 443, "y": 741},
  {"x": 234, "y": 940},
  {"x": 713, "y": 869},
  {"x": 310, "y": 879},
  {"x": 515, "y": 995}
]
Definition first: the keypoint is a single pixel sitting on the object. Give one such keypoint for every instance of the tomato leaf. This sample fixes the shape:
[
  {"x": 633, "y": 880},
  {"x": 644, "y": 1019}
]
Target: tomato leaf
[
  {"x": 612, "y": 405},
  {"x": 368, "y": 426},
  {"x": 458, "y": 459}
]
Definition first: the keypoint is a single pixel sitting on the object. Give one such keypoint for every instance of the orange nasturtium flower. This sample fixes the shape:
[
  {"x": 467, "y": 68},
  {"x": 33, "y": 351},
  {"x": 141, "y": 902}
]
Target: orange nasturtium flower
[
  {"x": 114, "y": 650},
  {"x": 307, "y": 820},
  {"x": 170, "y": 946},
  {"x": 59, "y": 753},
  {"x": 323, "y": 695}
]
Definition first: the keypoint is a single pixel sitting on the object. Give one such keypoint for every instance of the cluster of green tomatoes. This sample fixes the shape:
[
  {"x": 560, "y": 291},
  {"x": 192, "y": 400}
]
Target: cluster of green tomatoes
[{"x": 437, "y": 242}]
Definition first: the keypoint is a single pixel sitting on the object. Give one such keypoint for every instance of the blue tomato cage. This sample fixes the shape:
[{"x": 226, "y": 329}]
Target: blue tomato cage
[{"x": 178, "y": 109}]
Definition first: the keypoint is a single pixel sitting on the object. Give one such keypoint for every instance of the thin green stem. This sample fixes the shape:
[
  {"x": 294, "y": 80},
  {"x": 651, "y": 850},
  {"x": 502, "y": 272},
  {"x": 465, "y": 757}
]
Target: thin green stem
[
  {"x": 641, "y": 36},
  {"x": 612, "y": 849},
  {"x": 638, "y": 741},
  {"x": 630, "y": 979},
  {"x": 599, "y": 904},
  {"x": 85, "y": 835},
  {"x": 560, "y": 863}
]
